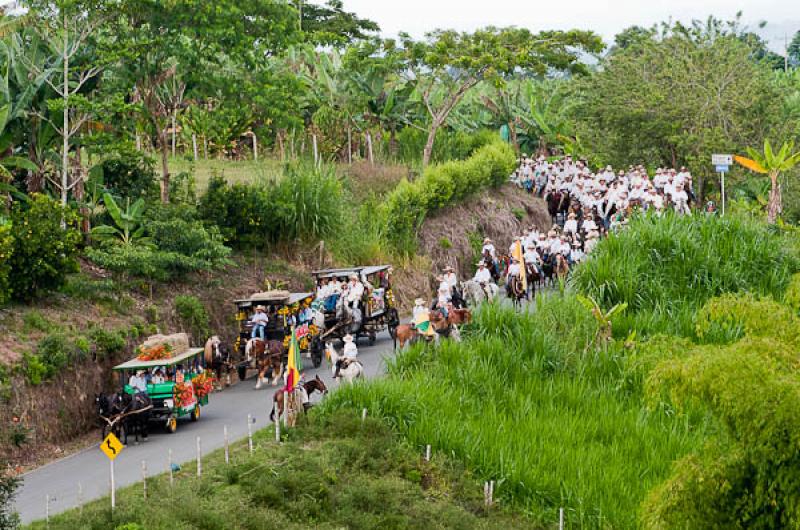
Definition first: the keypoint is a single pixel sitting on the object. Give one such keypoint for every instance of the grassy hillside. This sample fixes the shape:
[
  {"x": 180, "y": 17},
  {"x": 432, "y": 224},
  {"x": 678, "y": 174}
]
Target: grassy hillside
[{"x": 329, "y": 473}]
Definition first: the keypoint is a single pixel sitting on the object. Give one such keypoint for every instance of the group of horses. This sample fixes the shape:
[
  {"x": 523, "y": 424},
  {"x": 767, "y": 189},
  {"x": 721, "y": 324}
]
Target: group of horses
[
  {"x": 124, "y": 414},
  {"x": 553, "y": 267}
]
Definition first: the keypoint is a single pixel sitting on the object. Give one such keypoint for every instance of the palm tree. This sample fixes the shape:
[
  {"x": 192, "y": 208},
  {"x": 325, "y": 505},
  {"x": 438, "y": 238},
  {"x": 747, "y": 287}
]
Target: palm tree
[{"x": 773, "y": 164}]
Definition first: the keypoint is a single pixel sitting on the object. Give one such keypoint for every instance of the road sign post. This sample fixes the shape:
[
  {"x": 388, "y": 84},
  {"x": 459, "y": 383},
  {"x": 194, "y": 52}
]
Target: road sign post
[
  {"x": 722, "y": 164},
  {"x": 112, "y": 447}
]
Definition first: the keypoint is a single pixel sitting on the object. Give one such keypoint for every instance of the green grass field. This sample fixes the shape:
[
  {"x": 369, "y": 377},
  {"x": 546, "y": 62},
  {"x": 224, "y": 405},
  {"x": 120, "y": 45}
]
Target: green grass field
[{"x": 234, "y": 171}]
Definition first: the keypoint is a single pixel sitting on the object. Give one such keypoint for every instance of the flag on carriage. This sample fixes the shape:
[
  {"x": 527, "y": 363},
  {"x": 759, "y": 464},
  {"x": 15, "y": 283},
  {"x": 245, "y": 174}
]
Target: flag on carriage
[{"x": 294, "y": 364}]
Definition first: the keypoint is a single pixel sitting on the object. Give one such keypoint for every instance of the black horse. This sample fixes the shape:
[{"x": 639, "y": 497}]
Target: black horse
[
  {"x": 109, "y": 408},
  {"x": 136, "y": 415}
]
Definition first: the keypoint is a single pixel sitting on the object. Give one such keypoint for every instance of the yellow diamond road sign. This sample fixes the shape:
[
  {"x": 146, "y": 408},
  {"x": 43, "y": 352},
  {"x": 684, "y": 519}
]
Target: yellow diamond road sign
[{"x": 111, "y": 446}]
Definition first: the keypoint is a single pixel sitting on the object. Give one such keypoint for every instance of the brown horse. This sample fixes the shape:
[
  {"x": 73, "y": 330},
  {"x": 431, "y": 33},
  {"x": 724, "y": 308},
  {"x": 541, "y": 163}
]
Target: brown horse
[
  {"x": 304, "y": 391},
  {"x": 268, "y": 355},
  {"x": 217, "y": 357},
  {"x": 562, "y": 267}
]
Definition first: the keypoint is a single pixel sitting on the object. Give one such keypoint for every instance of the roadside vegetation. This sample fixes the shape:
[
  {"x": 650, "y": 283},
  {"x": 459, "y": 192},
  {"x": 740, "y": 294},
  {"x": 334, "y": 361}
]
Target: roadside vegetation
[
  {"x": 331, "y": 472},
  {"x": 649, "y": 428}
]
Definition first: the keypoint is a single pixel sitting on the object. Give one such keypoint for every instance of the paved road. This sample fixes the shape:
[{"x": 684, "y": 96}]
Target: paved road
[{"x": 90, "y": 467}]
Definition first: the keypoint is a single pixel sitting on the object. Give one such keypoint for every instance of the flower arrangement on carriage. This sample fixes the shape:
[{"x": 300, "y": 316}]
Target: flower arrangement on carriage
[
  {"x": 203, "y": 384},
  {"x": 168, "y": 356}
]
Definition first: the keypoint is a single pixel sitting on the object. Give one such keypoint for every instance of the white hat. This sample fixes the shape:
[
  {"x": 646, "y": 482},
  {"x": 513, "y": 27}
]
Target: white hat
[
  {"x": 448, "y": 268},
  {"x": 348, "y": 338},
  {"x": 419, "y": 301},
  {"x": 353, "y": 276},
  {"x": 260, "y": 308},
  {"x": 481, "y": 263},
  {"x": 487, "y": 240}
]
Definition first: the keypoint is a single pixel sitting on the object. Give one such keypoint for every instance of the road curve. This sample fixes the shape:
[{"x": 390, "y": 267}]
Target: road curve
[{"x": 89, "y": 468}]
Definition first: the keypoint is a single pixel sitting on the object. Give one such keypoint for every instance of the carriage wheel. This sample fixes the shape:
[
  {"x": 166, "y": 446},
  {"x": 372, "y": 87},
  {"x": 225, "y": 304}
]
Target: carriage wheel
[
  {"x": 372, "y": 337},
  {"x": 195, "y": 413},
  {"x": 242, "y": 372},
  {"x": 172, "y": 425}
]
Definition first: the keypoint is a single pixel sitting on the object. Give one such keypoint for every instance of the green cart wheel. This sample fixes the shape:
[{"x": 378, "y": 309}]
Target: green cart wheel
[{"x": 172, "y": 425}]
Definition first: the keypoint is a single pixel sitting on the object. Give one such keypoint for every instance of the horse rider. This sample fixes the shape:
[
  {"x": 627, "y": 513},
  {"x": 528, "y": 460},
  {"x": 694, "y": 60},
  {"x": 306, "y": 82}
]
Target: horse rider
[
  {"x": 349, "y": 353},
  {"x": 488, "y": 246},
  {"x": 451, "y": 279},
  {"x": 514, "y": 272},
  {"x": 422, "y": 319},
  {"x": 482, "y": 275},
  {"x": 443, "y": 299},
  {"x": 355, "y": 290},
  {"x": 259, "y": 321}
]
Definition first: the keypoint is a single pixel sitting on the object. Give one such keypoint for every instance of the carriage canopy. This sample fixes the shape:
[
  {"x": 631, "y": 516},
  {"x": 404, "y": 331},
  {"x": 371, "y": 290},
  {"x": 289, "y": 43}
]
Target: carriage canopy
[
  {"x": 136, "y": 364},
  {"x": 273, "y": 298},
  {"x": 367, "y": 271}
]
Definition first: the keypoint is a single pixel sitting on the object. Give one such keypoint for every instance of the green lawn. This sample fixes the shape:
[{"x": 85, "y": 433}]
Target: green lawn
[{"x": 234, "y": 171}]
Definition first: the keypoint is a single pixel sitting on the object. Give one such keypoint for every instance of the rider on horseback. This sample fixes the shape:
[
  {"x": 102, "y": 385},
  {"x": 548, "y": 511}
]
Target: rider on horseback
[
  {"x": 513, "y": 272},
  {"x": 259, "y": 320}
]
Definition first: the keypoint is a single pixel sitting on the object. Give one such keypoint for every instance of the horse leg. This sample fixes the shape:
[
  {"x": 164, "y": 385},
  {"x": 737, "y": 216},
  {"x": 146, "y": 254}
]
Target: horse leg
[
  {"x": 276, "y": 375},
  {"x": 260, "y": 377}
]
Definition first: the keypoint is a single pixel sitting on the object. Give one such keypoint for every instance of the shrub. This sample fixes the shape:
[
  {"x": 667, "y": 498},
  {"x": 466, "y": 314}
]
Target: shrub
[
  {"x": 8, "y": 486},
  {"x": 130, "y": 173},
  {"x": 449, "y": 145},
  {"x": 746, "y": 475},
  {"x": 441, "y": 185},
  {"x": 44, "y": 252},
  {"x": 107, "y": 343},
  {"x": 175, "y": 247},
  {"x": 6, "y": 249},
  {"x": 730, "y": 317},
  {"x": 56, "y": 352},
  {"x": 247, "y": 216},
  {"x": 35, "y": 321},
  {"x": 193, "y": 315},
  {"x": 34, "y": 369}
]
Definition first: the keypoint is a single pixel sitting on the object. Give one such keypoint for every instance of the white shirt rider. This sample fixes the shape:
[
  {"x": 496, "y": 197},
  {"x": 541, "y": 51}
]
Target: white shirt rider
[
  {"x": 350, "y": 350},
  {"x": 482, "y": 275},
  {"x": 490, "y": 248}
]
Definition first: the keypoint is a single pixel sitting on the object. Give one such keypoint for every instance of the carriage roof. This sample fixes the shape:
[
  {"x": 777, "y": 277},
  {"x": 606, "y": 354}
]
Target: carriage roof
[
  {"x": 367, "y": 270},
  {"x": 273, "y": 298},
  {"x": 136, "y": 364}
]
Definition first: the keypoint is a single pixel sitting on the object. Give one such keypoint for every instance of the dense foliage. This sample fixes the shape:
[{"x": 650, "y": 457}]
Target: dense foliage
[
  {"x": 746, "y": 476},
  {"x": 666, "y": 268},
  {"x": 6, "y": 248},
  {"x": 44, "y": 252},
  {"x": 442, "y": 185}
]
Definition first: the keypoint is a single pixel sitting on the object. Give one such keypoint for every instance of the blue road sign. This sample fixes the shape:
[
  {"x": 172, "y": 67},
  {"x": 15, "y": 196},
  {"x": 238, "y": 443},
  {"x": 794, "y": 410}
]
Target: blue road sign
[{"x": 722, "y": 168}]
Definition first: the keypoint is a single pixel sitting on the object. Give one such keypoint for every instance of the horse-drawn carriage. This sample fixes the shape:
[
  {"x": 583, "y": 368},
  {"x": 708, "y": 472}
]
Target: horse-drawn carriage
[
  {"x": 184, "y": 389},
  {"x": 375, "y": 311},
  {"x": 284, "y": 311}
]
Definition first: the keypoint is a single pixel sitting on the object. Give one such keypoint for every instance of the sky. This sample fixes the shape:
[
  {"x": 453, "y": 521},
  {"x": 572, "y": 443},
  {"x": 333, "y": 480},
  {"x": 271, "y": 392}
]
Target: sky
[{"x": 606, "y": 17}]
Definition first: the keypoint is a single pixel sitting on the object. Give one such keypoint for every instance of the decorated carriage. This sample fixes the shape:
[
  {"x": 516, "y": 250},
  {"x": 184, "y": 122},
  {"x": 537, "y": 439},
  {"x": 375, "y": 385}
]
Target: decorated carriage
[
  {"x": 284, "y": 311},
  {"x": 376, "y": 311},
  {"x": 170, "y": 399}
]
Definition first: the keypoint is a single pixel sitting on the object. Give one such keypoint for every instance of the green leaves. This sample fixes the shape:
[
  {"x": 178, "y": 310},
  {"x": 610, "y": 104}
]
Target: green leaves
[{"x": 128, "y": 228}]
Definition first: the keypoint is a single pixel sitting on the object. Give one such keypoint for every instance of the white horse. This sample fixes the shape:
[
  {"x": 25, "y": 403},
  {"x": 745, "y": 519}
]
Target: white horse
[
  {"x": 355, "y": 370},
  {"x": 475, "y": 294}
]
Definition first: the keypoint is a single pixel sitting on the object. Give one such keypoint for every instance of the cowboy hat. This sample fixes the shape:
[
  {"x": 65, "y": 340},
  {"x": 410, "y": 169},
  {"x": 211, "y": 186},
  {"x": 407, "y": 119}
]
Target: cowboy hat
[
  {"x": 348, "y": 338},
  {"x": 448, "y": 268},
  {"x": 487, "y": 240},
  {"x": 480, "y": 264},
  {"x": 419, "y": 301},
  {"x": 140, "y": 372},
  {"x": 260, "y": 308},
  {"x": 353, "y": 276}
]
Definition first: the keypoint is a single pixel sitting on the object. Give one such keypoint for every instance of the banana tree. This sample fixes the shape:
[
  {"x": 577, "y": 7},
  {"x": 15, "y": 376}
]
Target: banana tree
[
  {"x": 772, "y": 163},
  {"x": 128, "y": 227},
  {"x": 603, "y": 318}
]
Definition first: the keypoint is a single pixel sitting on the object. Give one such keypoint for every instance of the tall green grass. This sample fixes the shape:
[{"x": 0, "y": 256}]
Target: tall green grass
[
  {"x": 665, "y": 268},
  {"x": 525, "y": 400}
]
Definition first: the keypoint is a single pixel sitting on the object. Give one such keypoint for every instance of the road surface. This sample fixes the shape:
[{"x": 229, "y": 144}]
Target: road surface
[{"x": 90, "y": 468}]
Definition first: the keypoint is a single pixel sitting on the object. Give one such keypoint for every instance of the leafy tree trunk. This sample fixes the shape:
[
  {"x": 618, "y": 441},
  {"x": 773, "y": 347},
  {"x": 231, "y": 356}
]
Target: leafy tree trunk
[
  {"x": 163, "y": 144},
  {"x": 774, "y": 205},
  {"x": 428, "y": 151}
]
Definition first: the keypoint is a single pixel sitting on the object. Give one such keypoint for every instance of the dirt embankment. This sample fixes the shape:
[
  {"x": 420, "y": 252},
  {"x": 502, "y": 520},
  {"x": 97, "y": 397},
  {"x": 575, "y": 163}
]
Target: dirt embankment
[{"x": 454, "y": 235}]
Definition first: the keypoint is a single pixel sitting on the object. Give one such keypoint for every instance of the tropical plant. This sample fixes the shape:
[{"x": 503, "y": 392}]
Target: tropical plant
[
  {"x": 128, "y": 227},
  {"x": 603, "y": 318},
  {"x": 773, "y": 164}
]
